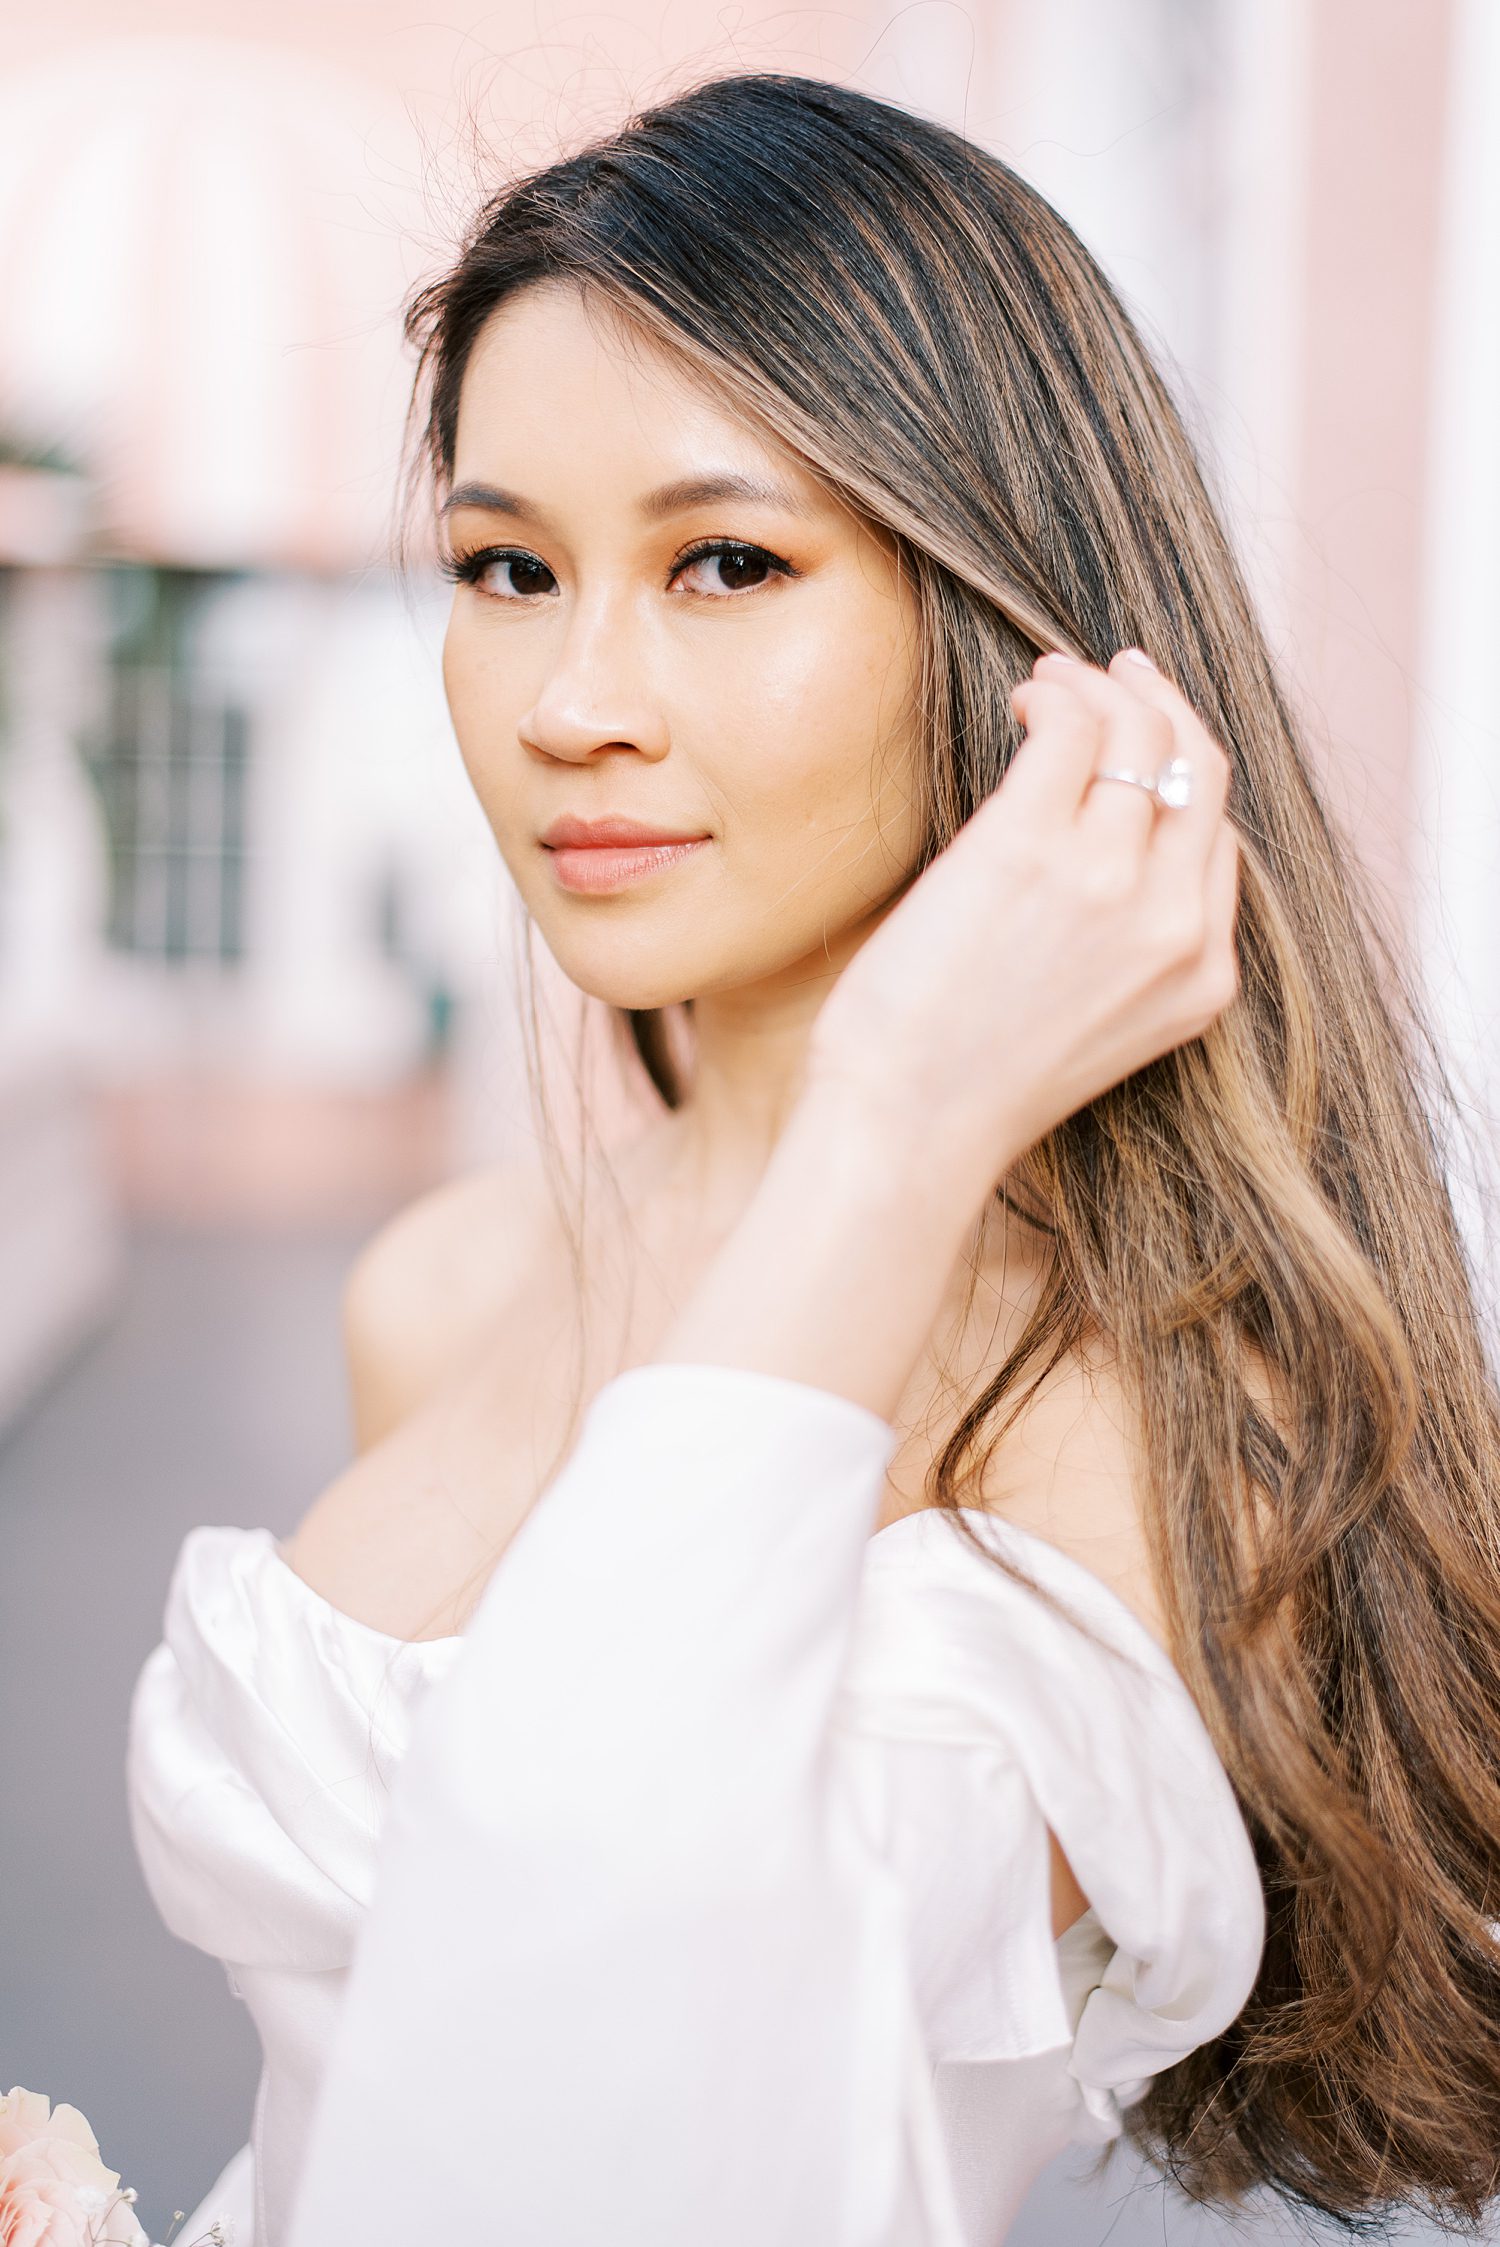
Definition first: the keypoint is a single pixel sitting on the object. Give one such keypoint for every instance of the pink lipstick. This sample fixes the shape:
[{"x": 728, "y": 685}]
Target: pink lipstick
[{"x": 595, "y": 856}]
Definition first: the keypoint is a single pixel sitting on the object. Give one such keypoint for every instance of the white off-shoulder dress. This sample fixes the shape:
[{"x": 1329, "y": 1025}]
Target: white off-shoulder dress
[{"x": 701, "y": 1887}]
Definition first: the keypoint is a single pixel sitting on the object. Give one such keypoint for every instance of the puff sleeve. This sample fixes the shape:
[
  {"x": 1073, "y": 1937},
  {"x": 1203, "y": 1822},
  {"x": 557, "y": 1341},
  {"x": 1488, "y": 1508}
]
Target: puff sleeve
[{"x": 661, "y": 1950}]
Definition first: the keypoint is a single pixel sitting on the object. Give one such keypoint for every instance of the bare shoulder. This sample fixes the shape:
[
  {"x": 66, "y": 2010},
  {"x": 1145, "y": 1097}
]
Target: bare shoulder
[
  {"x": 1074, "y": 1470},
  {"x": 1071, "y": 1470},
  {"x": 425, "y": 1290}
]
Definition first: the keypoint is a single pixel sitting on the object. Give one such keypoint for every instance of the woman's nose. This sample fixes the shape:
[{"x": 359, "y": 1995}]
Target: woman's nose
[{"x": 595, "y": 694}]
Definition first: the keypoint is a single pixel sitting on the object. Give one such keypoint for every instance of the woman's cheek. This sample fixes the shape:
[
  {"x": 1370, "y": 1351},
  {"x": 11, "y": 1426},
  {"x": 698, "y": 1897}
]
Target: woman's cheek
[
  {"x": 480, "y": 696},
  {"x": 828, "y": 775}
]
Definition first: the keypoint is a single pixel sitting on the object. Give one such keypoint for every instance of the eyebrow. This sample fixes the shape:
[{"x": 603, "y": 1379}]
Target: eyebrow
[{"x": 667, "y": 499}]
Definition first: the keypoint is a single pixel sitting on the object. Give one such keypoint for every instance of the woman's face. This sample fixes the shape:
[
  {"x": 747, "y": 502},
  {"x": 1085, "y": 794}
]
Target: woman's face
[{"x": 663, "y": 619}]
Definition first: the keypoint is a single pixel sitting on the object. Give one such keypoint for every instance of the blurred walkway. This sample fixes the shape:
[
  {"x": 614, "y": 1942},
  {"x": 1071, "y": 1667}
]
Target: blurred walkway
[{"x": 215, "y": 1395}]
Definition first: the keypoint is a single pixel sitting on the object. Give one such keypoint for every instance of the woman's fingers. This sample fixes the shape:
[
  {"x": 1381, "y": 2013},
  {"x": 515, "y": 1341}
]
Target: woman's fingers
[
  {"x": 1221, "y": 886},
  {"x": 1185, "y": 834},
  {"x": 1089, "y": 720},
  {"x": 1211, "y": 980},
  {"x": 1082, "y": 722},
  {"x": 1135, "y": 738},
  {"x": 1184, "y": 857},
  {"x": 1051, "y": 769}
]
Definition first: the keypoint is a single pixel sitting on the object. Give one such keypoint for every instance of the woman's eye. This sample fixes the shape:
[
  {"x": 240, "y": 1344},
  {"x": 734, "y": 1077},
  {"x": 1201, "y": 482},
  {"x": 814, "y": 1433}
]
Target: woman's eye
[
  {"x": 514, "y": 576},
  {"x": 505, "y": 576},
  {"x": 729, "y": 567}
]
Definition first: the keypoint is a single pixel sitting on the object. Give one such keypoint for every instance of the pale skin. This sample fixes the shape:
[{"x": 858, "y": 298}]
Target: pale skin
[{"x": 863, "y": 1078}]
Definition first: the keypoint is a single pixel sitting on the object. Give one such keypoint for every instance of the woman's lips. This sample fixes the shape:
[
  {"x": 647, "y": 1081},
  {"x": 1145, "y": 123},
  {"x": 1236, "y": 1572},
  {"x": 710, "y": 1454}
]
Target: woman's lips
[{"x": 593, "y": 869}]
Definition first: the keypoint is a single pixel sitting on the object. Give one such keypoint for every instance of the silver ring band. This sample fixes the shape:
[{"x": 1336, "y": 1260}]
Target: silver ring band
[
  {"x": 1146, "y": 780},
  {"x": 1172, "y": 786}
]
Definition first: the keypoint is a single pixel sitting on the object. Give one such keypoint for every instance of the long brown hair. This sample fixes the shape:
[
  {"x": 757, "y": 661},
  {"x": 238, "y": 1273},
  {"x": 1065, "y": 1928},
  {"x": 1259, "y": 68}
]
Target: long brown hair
[{"x": 926, "y": 332}]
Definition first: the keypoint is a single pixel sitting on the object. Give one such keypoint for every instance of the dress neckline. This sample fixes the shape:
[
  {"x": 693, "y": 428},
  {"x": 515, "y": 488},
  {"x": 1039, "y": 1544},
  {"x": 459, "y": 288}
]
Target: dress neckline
[{"x": 1053, "y": 1563}]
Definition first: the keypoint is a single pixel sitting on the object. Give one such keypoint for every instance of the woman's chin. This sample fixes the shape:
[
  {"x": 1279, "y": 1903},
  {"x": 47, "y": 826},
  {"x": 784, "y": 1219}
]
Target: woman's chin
[
  {"x": 617, "y": 984},
  {"x": 637, "y": 1001},
  {"x": 640, "y": 976}
]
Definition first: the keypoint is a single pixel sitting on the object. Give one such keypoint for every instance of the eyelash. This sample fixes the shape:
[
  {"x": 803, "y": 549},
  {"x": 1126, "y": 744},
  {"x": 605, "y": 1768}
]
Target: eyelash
[{"x": 468, "y": 569}]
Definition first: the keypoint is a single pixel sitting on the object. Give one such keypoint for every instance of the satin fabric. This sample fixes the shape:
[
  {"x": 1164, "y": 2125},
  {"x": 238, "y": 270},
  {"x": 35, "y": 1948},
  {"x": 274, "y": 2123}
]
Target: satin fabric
[
  {"x": 713, "y": 1894},
  {"x": 265, "y": 1732}
]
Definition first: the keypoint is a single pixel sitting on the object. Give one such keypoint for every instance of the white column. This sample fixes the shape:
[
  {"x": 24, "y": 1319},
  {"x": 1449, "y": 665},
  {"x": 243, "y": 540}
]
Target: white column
[
  {"x": 60, "y": 1259},
  {"x": 1457, "y": 746},
  {"x": 1250, "y": 376},
  {"x": 53, "y": 852},
  {"x": 1102, "y": 105}
]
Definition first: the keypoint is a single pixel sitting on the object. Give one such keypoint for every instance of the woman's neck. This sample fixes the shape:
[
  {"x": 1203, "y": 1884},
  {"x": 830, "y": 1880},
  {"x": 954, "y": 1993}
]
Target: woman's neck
[
  {"x": 748, "y": 1062},
  {"x": 750, "y": 1048}
]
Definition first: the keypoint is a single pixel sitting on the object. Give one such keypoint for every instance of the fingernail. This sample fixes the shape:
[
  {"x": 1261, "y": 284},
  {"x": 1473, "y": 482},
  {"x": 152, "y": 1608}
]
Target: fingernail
[
  {"x": 1055, "y": 655},
  {"x": 1138, "y": 655}
]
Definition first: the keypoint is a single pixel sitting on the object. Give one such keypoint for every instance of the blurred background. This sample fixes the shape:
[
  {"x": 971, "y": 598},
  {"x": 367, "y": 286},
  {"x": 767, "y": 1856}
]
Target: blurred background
[{"x": 256, "y": 951}]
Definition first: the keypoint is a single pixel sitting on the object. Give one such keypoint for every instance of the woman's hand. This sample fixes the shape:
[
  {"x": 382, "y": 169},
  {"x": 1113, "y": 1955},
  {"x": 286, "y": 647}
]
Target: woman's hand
[{"x": 1073, "y": 930}]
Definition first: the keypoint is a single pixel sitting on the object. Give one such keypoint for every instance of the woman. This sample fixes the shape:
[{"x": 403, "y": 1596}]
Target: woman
[{"x": 1009, "y": 1654}]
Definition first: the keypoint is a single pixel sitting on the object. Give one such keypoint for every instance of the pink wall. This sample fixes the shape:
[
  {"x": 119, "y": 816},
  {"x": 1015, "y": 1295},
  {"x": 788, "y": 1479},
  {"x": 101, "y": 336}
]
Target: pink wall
[
  {"x": 574, "y": 62},
  {"x": 1377, "y": 116}
]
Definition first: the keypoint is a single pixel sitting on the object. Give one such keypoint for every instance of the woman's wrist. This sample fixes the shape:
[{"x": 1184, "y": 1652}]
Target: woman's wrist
[
  {"x": 837, "y": 1270},
  {"x": 942, "y": 1162}
]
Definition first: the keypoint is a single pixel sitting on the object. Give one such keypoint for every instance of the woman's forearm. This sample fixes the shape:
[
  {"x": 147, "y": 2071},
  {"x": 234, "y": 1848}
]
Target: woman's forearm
[{"x": 837, "y": 1270}]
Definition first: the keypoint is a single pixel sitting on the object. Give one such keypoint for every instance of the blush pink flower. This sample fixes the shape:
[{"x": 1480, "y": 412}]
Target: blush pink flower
[{"x": 54, "y": 2189}]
